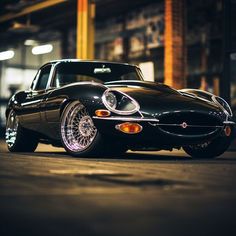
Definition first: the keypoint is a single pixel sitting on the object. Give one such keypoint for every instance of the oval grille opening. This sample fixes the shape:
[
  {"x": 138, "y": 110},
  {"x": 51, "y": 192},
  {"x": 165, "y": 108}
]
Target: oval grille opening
[{"x": 189, "y": 123}]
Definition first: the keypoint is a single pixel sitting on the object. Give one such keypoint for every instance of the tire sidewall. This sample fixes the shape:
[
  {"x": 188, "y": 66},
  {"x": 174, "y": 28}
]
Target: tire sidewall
[
  {"x": 25, "y": 140},
  {"x": 94, "y": 149},
  {"x": 217, "y": 147}
]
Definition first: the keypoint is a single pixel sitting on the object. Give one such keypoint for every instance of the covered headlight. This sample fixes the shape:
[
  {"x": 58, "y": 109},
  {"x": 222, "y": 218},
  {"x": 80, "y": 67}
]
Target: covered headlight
[
  {"x": 119, "y": 102},
  {"x": 110, "y": 100},
  {"x": 223, "y": 104}
]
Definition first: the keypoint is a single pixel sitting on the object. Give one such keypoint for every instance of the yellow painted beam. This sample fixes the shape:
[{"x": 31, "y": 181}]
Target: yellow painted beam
[
  {"x": 30, "y": 9},
  {"x": 85, "y": 29},
  {"x": 168, "y": 58},
  {"x": 91, "y": 30}
]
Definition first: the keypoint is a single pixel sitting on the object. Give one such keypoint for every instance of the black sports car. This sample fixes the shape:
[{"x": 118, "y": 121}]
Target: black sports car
[{"x": 97, "y": 108}]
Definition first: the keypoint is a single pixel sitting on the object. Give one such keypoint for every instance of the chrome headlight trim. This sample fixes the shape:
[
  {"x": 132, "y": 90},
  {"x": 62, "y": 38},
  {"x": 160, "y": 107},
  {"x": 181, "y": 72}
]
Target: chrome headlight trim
[
  {"x": 227, "y": 110},
  {"x": 120, "y": 112},
  {"x": 212, "y": 98}
]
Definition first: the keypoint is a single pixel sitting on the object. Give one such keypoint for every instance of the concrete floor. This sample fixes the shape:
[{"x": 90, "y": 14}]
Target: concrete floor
[{"x": 158, "y": 193}]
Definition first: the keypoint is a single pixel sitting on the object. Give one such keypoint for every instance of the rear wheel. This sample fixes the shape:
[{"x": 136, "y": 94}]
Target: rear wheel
[
  {"x": 19, "y": 139},
  {"x": 208, "y": 149},
  {"x": 79, "y": 135}
]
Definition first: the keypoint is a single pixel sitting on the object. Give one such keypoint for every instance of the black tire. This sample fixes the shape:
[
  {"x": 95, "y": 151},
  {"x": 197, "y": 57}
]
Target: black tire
[
  {"x": 75, "y": 114},
  {"x": 19, "y": 139},
  {"x": 208, "y": 150}
]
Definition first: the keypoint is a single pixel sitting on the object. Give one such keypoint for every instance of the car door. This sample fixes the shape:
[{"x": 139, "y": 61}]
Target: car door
[{"x": 31, "y": 107}]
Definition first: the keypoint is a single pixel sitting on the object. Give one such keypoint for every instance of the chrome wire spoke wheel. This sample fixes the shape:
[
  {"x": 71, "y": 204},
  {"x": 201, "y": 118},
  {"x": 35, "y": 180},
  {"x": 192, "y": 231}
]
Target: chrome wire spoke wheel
[
  {"x": 11, "y": 128},
  {"x": 77, "y": 128}
]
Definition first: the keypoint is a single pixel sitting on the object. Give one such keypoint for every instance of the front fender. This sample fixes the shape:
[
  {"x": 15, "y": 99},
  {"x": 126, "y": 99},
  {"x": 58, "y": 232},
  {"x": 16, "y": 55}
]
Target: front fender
[
  {"x": 198, "y": 93},
  {"x": 89, "y": 94}
]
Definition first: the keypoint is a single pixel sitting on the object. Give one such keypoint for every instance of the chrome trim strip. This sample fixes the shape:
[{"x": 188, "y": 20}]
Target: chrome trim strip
[
  {"x": 121, "y": 118},
  {"x": 117, "y": 118},
  {"x": 197, "y": 126},
  {"x": 229, "y": 123},
  {"x": 197, "y": 90},
  {"x": 31, "y": 102},
  {"x": 141, "y": 114},
  {"x": 50, "y": 77},
  {"x": 214, "y": 99}
]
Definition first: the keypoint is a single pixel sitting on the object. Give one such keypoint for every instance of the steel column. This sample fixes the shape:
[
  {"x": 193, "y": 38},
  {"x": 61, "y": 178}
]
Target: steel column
[
  {"x": 225, "y": 80},
  {"x": 85, "y": 29}
]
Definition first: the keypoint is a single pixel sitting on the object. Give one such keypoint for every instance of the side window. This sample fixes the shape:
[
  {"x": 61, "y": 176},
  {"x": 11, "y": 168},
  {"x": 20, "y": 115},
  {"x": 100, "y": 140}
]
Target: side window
[
  {"x": 35, "y": 80},
  {"x": 43, "y": 78}
]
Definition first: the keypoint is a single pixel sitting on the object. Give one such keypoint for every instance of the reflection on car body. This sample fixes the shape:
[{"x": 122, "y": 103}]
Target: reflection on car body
[{"x": 104, "y": 108}]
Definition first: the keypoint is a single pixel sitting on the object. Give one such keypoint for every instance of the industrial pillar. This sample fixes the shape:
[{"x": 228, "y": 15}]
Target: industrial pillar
[
  {"x": 175, "y": 46},
  {"x": 204, "y": 62},
  {"x": 227, "y": 48},
  {"x": 85, "y": 29}
]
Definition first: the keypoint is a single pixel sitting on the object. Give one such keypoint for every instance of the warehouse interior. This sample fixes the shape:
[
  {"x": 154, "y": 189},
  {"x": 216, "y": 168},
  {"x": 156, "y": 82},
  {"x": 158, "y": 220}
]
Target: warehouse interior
[
  {"x": 79, "y": 157},
  {"x": 183, "y": 43}
]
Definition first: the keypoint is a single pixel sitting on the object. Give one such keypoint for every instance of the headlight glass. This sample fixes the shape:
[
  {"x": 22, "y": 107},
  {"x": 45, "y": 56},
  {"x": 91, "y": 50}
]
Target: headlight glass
[
  {"x": 223, "y": 104},
  {"x": 111, "y": 99},
  {"x": 119, "y": 102}
]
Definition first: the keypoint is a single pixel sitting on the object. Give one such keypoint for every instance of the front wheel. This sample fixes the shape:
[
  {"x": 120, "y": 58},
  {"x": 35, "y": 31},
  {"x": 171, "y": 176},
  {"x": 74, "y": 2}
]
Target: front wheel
[
  {"x": 208, "y": 149},
  {"x": 19, "y": 139},
  {"x": 79, "y": 135}
]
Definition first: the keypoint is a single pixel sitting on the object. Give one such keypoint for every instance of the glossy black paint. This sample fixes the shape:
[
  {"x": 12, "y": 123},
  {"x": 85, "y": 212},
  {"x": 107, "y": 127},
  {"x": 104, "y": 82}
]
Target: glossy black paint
[
  {"x": 40, "y": 111},
  {"x": 167, "y": 99}
]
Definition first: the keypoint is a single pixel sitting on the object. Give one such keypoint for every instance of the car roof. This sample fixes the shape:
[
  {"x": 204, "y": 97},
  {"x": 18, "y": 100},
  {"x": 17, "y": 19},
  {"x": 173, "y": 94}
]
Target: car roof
[{"x": 90, "y": 61}]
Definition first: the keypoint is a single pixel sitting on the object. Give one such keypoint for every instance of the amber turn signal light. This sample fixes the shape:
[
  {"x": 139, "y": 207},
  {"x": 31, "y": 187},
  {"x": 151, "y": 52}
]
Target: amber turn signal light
[
  {"x": 102, "y": 113},
  {"x": 227, "y": 131},
  {"x": 129, "y": 128}
]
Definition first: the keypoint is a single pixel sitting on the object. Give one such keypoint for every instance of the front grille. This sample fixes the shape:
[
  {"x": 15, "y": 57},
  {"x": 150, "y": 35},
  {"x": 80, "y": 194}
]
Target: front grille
[{"x": 197, "y": 123}]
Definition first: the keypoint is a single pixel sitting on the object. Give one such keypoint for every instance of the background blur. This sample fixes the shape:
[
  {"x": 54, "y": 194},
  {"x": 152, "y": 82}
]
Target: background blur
[{"x": 184, "y": 43}]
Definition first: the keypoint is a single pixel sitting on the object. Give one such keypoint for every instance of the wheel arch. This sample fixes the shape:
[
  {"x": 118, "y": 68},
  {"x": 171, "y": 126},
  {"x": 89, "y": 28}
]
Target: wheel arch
[
  {"x": 88, "y": 95},
  {"x": 67, "y": 102},
  {"x": 64, "y": 105}
]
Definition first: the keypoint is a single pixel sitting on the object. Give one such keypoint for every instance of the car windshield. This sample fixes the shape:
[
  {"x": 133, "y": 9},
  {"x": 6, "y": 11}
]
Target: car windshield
[{"x": 71, "y": 72}]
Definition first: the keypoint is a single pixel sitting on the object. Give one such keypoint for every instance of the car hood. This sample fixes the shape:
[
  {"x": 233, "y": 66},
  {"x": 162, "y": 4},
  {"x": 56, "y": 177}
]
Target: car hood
[{"x": 156, "y": 99}]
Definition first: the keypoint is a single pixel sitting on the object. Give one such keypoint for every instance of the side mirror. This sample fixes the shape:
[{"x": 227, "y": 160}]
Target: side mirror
[{"x": 21, "y": 96}]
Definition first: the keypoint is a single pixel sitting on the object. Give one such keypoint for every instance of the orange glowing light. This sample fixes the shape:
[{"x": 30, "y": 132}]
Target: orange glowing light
[
  {"x": 102, "y": 113},
  {"x": 129, "y": 128},
  {"x": 227, "y": 131}
]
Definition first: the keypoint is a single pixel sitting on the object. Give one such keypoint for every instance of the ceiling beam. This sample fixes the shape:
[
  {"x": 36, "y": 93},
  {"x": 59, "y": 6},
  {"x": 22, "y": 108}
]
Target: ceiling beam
[{"x": 30, "y": 9}]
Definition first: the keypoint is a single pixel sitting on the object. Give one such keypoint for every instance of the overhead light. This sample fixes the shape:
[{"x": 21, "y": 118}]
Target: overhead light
[
  {"x": 23, "y": 28},
  {"x": 6, "y": 55},
  {"x": 42, "y": 49},
  {"x": 30, "y": 42}
]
